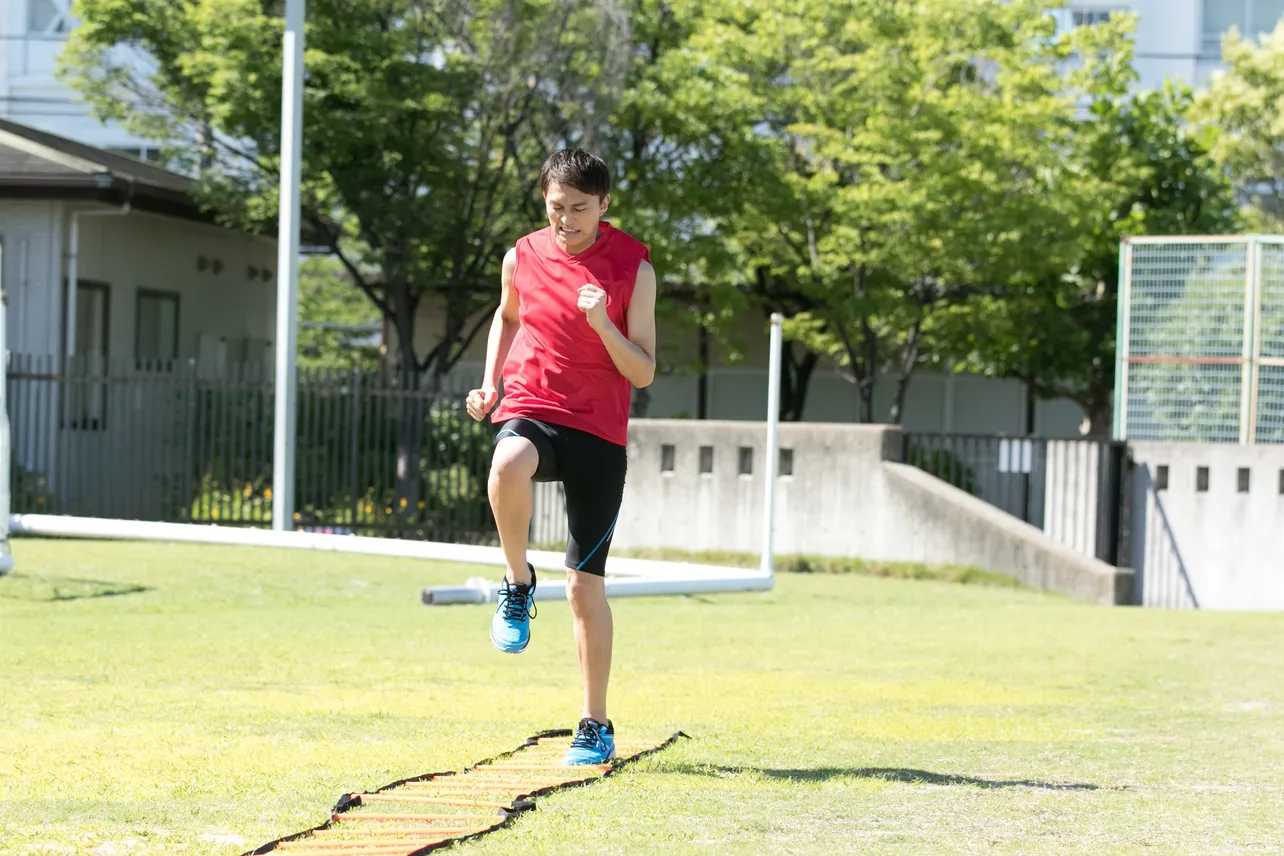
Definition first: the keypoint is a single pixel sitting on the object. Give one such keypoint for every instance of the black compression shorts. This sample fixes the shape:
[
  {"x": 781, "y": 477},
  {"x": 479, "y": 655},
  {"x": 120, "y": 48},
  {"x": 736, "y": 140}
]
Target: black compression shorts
[{"x": 591, "y": 471}]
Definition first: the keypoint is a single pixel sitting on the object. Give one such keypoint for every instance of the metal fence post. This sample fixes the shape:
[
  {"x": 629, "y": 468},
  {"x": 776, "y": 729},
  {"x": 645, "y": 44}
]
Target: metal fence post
[{"x": 1252, "y": 270}]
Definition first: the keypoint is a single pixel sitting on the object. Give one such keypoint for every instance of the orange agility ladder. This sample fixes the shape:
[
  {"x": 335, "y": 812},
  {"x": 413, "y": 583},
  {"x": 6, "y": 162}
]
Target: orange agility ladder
[{"x": 436, "y": 810}]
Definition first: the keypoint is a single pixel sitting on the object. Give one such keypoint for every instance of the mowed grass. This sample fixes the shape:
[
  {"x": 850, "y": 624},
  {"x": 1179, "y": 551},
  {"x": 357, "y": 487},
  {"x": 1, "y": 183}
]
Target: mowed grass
[{"x": 197, "y": 699}]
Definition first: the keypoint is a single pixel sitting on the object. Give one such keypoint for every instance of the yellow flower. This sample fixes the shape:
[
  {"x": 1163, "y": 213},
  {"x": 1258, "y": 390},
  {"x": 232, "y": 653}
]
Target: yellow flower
[
  {"x": 388, "y": 509},
  {"x": 369, "y": 509},
  {"x": 248, "y": 490},
  {"x": 403, "y": 502},
  {"x": 421, "y": 505},
  {"x": 267, "y": 493},
  {"x": 214, "y": 513}
]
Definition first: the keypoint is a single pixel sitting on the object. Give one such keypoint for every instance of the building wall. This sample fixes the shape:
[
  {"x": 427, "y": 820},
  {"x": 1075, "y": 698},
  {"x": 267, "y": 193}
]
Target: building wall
[
  {"x": 60, "y": 438},
  {"x": 1215, "y": 548},
  {"x": 32, "y": 235},
  {"x": 129, "y": 253}
]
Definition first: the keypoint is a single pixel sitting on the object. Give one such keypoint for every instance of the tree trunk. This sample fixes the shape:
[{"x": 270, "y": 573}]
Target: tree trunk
[
  {"x": 410, "y": 411},
  {"x": 702, "y": 383},
  {"x": 1099, "y": 417},
  {"x": 909, "y": 361},
  {"x": 795, "y": 380},
  {"x": 641, "y": 403}
]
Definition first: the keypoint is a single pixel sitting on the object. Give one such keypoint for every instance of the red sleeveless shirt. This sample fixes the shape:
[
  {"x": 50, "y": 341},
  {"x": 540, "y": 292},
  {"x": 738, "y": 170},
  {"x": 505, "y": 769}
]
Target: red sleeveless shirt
[{"x": 558, "y": 370}]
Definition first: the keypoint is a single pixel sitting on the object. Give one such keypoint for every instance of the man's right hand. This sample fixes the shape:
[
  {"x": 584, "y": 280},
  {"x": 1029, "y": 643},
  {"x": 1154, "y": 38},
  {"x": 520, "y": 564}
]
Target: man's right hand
[{"x": 480, "y": 402}]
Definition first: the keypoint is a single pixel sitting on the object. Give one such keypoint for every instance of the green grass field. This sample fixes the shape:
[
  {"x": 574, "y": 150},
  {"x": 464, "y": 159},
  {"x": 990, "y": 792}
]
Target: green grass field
[{"x": 191, "y": 699}]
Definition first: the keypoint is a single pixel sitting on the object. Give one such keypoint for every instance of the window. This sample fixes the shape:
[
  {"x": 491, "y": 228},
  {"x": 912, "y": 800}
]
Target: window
[
  {"x": 48, "y": 17},
  {"x": 667, "y": 455},
  {"x": 1251, "y": 18},
  {"x": 156, "y": 328},
  {"x": 746, "y": 461},
  {"x": 1089, "y": 17},
  {"x": 1201, "y": 479},
  {"x": 1068, "y": 19},
  {"x": 87, "y": 399},
  {"x": 706, "y": 460}
]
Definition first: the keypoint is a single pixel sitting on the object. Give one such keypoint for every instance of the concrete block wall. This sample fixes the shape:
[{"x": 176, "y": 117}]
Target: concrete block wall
[
  {"x": 1208, "y": 525},
  {"x": 841, "y": 491}
]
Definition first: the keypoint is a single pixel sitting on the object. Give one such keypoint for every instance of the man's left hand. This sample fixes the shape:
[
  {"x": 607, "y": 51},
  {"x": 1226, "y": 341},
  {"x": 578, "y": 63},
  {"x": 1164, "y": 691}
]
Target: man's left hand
[{"x": 593, "y": 304}]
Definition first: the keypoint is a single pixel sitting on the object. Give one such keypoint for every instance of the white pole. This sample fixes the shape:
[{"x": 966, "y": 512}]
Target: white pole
[
  {"x": 287, "y": 266},
  {"x": 625, "y": 577},
  {"x": 773, "y": 445},
  {"x": 6, "y": 471}
]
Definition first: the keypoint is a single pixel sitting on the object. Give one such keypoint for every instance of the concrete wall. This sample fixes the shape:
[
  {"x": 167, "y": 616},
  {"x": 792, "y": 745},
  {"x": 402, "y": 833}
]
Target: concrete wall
[
  {"x": 846, "y": 495},
  {"x": 1217, "y": 548}
]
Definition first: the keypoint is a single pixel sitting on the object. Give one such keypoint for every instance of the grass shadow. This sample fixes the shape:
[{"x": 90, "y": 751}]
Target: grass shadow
[
  {"x": 37, "y": 589},
  {"x": 891, "y": 774}
]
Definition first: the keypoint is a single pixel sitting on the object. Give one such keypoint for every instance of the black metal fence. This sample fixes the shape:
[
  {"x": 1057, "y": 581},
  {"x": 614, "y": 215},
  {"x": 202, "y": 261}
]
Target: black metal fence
[
  {"x": 376, "y": 454},
  {"x": 1075, "y": 490}
]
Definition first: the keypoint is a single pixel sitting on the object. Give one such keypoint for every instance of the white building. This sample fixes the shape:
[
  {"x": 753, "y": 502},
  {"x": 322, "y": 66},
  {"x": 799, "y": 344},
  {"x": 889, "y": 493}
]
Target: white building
[{"x": 1180, "y": 39}]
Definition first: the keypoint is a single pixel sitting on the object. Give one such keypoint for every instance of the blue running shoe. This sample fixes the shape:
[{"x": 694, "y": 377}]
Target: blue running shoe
[
  {"x": 593, "y": 743},
  {"x": 510, "y": 628}
]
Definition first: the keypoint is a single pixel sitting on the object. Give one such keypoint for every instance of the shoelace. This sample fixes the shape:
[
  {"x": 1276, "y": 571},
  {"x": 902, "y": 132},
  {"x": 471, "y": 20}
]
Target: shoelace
[
  {"x": 586, "y": 737},
  {"x": 515, "y": 606}
]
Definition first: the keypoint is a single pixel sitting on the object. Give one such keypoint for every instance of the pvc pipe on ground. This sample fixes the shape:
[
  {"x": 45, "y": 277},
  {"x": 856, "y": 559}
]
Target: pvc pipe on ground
[{"x": 481, "y": 590}]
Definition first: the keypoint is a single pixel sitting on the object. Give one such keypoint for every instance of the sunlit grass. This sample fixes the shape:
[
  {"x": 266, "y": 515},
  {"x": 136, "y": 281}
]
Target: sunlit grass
[{"x": 162, "y": 699}]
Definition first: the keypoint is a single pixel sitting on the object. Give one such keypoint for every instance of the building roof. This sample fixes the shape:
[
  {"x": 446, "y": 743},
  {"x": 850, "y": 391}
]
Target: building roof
[{"x": 35, "y": 164}]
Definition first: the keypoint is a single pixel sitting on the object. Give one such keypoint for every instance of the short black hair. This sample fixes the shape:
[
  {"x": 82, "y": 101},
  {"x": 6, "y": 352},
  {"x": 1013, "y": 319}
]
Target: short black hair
[{"x": 584, "y": 171}]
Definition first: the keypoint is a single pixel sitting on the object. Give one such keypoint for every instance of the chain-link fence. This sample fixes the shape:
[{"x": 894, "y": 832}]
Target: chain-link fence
[{"x": 1200, "y": 353}]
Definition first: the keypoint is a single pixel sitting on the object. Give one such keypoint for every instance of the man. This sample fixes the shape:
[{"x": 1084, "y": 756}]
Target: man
[{"x": 574, "y": 333}]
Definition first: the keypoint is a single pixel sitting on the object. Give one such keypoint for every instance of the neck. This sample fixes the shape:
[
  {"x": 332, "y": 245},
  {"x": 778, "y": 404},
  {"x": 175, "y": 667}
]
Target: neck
[{"x": 575, "y": 249}]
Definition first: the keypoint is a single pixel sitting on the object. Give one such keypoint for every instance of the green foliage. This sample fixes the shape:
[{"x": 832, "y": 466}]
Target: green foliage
[
  {"x": 345, "y": 464},
  {"x": 1139, "y": 170},
  {"x": 327, "y": 297},
  {"x": 425, "y": 122},
  {"x": 1243, "y": 123},
  {"x": 856, "y": 143}
]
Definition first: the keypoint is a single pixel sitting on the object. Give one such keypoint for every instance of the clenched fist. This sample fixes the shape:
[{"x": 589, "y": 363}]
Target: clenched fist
[
  {"x": 479, "y": 402},
  {"x": 593, "y": 304}
]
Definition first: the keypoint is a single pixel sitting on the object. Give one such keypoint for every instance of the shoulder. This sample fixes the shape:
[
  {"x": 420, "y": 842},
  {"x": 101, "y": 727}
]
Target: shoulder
[
  {"x": 624, "y": 242},
  {"x": 644, "y": 286},
  {"x": 531, "y": 241}
]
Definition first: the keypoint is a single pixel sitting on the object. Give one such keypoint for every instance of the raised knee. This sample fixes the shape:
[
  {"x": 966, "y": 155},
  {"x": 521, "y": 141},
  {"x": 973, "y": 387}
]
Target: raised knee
[{"x": 513, "y": 465}]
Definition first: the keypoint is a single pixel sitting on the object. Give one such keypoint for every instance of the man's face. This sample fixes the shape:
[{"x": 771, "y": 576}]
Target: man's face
[{"x": 573, "y": 214}]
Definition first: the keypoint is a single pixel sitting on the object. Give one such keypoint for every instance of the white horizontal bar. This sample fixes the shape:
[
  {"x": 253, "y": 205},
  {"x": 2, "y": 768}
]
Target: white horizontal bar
[
  {"x": 623, "y": 575},
  {"x": 479, "y": 590}
]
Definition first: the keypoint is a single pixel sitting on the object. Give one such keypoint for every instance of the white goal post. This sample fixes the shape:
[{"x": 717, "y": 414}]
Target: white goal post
[{"x": 6, "y": 465}]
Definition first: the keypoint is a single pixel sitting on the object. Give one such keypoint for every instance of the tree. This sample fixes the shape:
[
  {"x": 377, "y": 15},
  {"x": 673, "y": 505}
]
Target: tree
[
  {"x": 425, "y": 125},
  {"x": 1137, "y": 169},
  {"x": 1243, "y": 123},
  {"x": 900, "y": 163},
  {"x": 333, "y": 318}
]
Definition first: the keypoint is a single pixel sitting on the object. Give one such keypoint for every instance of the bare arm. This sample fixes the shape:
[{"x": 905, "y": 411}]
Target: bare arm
[
  {"x": 633, "y": 355},
  {"x": 503, "y": 328}
]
